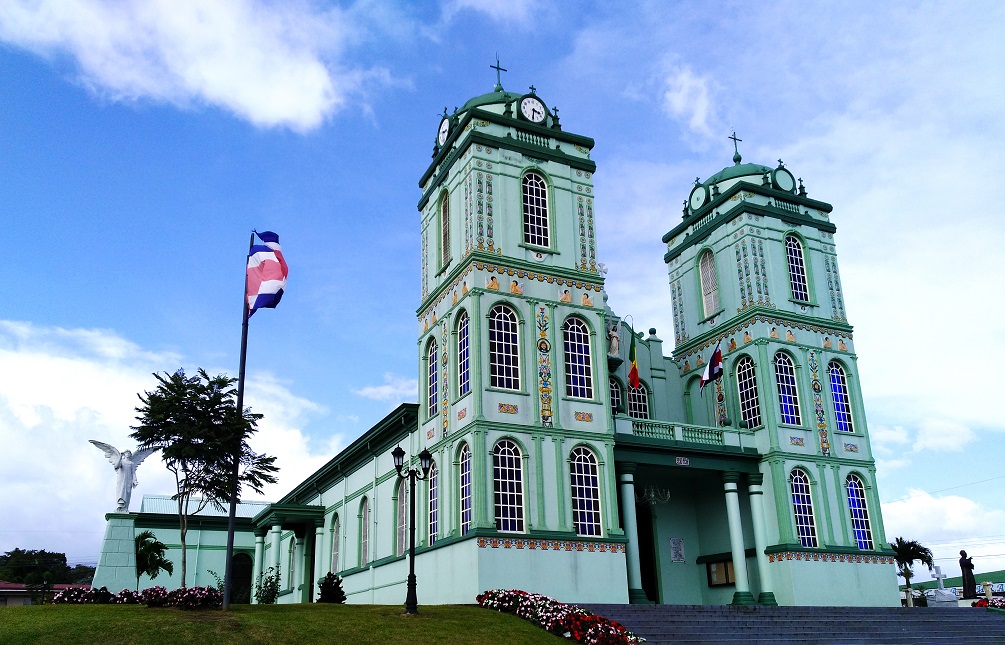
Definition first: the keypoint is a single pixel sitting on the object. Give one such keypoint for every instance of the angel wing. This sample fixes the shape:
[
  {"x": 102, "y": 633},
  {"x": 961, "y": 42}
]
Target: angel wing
[
  {"x": 142, "y": 454},
  {"x": 111, "y": 453}
]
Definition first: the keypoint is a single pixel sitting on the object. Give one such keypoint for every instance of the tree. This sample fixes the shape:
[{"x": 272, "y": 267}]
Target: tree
[
  {"x": 905, "y": 553},
  {"x": 195, "y": 423},
  {"x": 150, "y": 558},
  {"x": 34, "y": 567}
]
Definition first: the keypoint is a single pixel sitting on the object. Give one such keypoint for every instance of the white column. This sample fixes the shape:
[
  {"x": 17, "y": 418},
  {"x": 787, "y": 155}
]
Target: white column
[
  {"x": 627, "y": 478},
  {"x": 756, "y": 492},
  {"x": 277, "y": 534},
  {"x": 320, "y": 570},
  {"x": 742, "y": 595},
  {"x": 259, "y": 559},
  {"x": 300, "y": 569}
]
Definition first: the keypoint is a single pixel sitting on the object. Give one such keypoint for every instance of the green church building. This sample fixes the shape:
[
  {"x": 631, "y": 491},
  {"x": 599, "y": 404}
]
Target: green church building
[{"x": 552, "y": 473}]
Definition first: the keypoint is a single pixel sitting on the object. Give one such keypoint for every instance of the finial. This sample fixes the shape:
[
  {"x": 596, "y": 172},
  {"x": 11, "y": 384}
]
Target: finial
[
  {"x": 533, "y": 89},
  {"x": 498, "y": 69},
  {"x": 697, "y": 181},
  {"x": 555, "y": 124},
  {"x": 736, "y": 151},
  {"x": 781, "y": 164},
  {"x": 802, "y": 189}
]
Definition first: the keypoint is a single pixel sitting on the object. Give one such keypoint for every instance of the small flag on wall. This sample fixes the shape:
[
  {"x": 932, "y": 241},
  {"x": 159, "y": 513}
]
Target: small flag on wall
[
  {"x": 633, "y": 364},
  {"x": 267, "y": 273},
  {"x": 713, "y": 369}
]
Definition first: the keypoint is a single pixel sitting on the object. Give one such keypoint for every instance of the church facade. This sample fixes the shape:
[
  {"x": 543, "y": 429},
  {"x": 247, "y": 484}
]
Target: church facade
[{"x": 570, "y": 455}]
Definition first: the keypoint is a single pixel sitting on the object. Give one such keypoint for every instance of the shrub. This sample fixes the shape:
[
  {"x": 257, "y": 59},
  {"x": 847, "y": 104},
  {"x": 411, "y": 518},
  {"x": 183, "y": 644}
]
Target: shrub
[
  {"x": 267, "y": 589},
  {"x": 559, "y": 618},
  {"x": 330, "y": 589},
  {"x": 196, "y": 598},
  {"x": 126, "y": 597},
  {"x": 155, "y": 597}
]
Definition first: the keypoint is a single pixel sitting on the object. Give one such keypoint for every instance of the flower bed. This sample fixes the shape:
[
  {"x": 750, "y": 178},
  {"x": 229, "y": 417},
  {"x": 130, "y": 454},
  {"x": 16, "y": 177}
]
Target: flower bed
[
  {"x": 187, "y": 598},
  {"x": 559, "y": 618},
  {"x": 995, "y": 603}
]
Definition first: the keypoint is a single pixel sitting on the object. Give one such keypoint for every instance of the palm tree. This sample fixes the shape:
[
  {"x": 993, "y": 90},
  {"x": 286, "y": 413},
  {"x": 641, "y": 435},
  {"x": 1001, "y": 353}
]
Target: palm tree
[
  {"x": 906, "y": 552},
  {"x": 150, "y": 557}
]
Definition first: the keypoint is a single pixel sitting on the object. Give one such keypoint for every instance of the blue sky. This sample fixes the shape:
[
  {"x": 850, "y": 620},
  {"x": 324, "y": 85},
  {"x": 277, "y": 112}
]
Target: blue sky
[{"x": 141, "y": 142}]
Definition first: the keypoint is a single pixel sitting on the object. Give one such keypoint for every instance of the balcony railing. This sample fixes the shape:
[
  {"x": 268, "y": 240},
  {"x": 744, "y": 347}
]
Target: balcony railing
[{"x": 692, "y": 434}]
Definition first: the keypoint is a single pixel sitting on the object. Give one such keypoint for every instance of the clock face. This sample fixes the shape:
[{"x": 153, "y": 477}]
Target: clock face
[
  {"x": 444, "y": 132},
  {"x": 698, "y": 197},
  {"x": 533, "y": 109},
  {"x": 784, "y": 180}
]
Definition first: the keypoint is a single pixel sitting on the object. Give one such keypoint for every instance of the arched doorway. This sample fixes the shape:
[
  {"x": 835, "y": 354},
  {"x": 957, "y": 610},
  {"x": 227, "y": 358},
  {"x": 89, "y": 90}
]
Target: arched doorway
[{"x": 240, "y": 589}]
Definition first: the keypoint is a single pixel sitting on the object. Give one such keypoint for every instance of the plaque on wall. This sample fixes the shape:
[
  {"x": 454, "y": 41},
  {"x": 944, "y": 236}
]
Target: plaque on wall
[{"x": 677, "y": 549}]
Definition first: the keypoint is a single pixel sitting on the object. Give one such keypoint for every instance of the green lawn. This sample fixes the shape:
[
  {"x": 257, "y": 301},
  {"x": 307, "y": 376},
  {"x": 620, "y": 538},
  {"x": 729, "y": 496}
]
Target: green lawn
[{"x": 272, "y": 624}]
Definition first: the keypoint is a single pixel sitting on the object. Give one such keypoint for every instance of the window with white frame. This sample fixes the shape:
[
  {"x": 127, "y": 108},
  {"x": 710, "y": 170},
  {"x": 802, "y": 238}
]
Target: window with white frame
[
  {"x": 788, "y": 396},
  {"x": 402, "y": 535},
  {"x": 364, "y": 532},
  {"x": 638, "y": 402},
  {"x": 797, "y": 268},
  {"x": 336, "y": 538},
  {"x": 802, "y": 507},
  {"x": 709, "y": 283},
  {"x": 859, "y": 512},
  {"x": 432, "y": 384},
  {"x": 504, "y": 348},
  {"x": 839, "y": 395},
  {"x": 746, "y": 384},
  {"x": 507, "y": 483},
  {"x": 615, "y": 394},
  {"x": 535, "y": 210},
  {"x": 463, "y": 355},
  {"x": 578, "y": 369},
  {"x": 585, "y": 492},
  {"x": 434, "y": 503},
  {"x": 465, "y": 482},
  {"x": 445, "y": 229}
]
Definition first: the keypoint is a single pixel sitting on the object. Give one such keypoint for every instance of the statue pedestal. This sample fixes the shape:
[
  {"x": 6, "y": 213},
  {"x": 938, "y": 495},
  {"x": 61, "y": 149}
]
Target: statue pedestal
[{"x": 117, "y": 565}]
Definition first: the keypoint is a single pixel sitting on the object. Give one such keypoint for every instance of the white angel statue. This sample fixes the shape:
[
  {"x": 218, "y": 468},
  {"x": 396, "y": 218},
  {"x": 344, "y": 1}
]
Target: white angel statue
[{"x": 125, "y": 464}]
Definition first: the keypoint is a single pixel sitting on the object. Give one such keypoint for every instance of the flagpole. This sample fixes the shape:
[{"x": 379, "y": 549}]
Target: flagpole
[{"x": 235, "y": 472}]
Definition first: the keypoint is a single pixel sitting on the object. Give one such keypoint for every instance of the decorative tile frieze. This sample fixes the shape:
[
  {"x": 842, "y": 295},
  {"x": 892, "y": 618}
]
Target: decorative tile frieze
[
  {"x": 797, "y": 441},
  {"x": 508, "y": 408},
  {"x": 780, "y": 322},
  {"x": 544, "y": 367},
  {"x": 549, "y": 545},
  {"x": 852, "y": 558},
  {"x": 818, "y": 406},
  {"x": 583, "y": 416},
  {"x": 851, "y": 447}
]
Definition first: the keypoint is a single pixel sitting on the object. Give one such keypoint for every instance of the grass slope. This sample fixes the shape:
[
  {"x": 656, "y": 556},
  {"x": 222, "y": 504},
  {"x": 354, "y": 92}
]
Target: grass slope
[{"x": 271, "y": 624}]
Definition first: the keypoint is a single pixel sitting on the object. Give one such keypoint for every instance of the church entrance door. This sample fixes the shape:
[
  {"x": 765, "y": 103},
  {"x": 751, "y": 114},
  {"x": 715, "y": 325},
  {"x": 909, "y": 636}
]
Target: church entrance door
[{"x": 647, "y": 551}]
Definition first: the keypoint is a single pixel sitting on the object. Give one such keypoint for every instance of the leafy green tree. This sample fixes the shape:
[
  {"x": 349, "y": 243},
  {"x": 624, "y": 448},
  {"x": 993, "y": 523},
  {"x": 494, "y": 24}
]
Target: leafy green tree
[
  {"x": 34, "y": 567},
  {"x": 906, "y": 553},
  {"x": 150, "y": 558},
  {"x": 195, "y": 423}
]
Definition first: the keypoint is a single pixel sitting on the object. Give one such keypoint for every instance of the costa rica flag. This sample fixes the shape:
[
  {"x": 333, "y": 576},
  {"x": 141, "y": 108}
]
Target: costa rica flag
[
  {"x": 713, "y": 369},
  {"x": 267, "y": 273}
]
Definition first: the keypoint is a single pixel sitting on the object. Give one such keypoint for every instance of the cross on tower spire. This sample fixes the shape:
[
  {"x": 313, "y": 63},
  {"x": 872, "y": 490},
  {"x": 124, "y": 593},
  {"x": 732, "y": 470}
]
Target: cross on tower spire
[
  {"x": 736, "y": 151},
  {"x": 498, "y": 69}
]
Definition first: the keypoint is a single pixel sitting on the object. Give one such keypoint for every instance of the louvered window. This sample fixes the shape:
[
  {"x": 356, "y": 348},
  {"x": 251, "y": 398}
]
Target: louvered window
[
  {"x": 709, "y": 284},
  {"x": 797, "y": 268},
  {"x": 746, "y": 384},
  {"x": 535, "y": 210}
]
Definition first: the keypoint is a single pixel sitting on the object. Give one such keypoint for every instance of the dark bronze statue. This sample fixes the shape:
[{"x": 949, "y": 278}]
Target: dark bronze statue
[{"x": 969, "y": 584}]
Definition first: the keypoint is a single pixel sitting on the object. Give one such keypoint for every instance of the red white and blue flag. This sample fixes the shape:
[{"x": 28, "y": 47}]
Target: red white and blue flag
[
  {"x": 267, "y": 273},
  {"x": 713, "y": 369}
]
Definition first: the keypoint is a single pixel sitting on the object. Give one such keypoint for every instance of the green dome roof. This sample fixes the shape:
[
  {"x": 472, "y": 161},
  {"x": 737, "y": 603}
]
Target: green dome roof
[
  {"x": 492, "y": 98},
  {"x": 738, "y": 170}
]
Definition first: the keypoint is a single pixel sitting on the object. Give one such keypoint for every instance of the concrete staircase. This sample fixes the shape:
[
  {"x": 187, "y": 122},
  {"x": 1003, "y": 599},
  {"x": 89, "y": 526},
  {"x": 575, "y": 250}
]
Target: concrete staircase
[{"x": 845, "y": 625}]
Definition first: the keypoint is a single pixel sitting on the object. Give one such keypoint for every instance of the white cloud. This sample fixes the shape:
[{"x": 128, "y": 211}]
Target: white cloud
[
  {"x": 271, "y": 64},
  {"x": 512, "y": 11},
  {"x": 688, "y": 98},
  {"x": 61, "y": 387},
  {"x": 395, "y": 388},
  {"x": 941, "y": 435}
]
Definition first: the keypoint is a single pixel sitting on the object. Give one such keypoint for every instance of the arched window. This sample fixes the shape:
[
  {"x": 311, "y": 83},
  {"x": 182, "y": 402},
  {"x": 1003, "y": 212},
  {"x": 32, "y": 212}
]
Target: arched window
[
  {"x": 504, "y": 348},
  {"x": 432, "y": 385},
  {"x": 465, "y": 480},
  {"x": 578, "y": 371},
  {"x": 364, "y": 532},
  {"x": 709, "y": 283},
  {"x": 585, "y": 492},
  {"x": 839, "y": 394},
  {"x": 434, "y": 503},
  {"x": 463, "y": 355},
  {"x": 802, "y": 507},
  {"x": 859, "y": 512},
  {"x": 638, "y": 402},
  {"x": 291, "y": 569},
  {"x": 797, "y": 268},
  {"x": 507, "y": 469},
  {"x": 615, "y": 394},
  {"x": 788, "y": 396},
  {"x": 402, "y": 535},
  {"x": 746, "y": 383},
  {"x": 445, "y": 230},
  {"x": 535, "y": 210},
  {"x": 336, "y": 538}
]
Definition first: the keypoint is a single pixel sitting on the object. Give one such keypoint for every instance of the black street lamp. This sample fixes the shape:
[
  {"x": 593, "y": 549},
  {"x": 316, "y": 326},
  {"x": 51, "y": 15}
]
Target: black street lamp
[{"x": 426, "y": 461}]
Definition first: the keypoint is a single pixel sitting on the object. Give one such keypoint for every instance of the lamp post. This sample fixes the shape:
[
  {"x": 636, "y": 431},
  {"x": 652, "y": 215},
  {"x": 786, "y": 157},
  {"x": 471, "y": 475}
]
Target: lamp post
[{"x": 425, "y": 461}]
